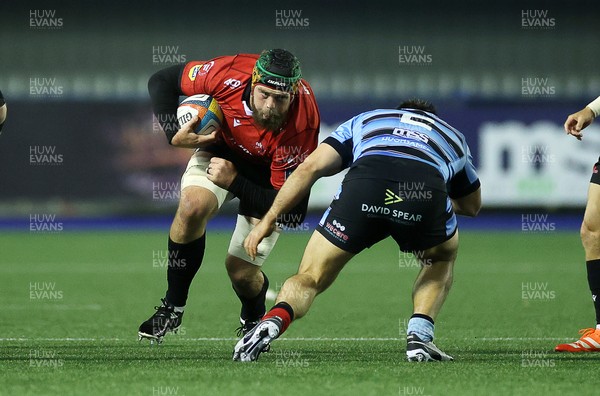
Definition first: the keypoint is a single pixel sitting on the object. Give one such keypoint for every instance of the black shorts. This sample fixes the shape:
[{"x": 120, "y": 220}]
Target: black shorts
[
  {"x": 595, "y": 175},
  {"x": 383, "y": 196},
  {"x": 256, "y": 173}
]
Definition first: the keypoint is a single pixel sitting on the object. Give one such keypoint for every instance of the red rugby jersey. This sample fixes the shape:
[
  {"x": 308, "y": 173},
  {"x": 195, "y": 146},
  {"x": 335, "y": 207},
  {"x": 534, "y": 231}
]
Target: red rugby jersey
[{"x": 225, "y": 79}]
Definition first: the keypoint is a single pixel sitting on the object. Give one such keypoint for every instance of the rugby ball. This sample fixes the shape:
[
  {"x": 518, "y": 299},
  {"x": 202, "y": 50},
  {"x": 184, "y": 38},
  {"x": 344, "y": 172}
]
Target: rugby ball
[{"x": 206, "y": 108}]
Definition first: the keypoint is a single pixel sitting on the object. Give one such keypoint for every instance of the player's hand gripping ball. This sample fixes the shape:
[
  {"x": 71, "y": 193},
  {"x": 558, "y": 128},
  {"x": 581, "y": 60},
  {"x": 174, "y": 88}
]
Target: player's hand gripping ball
[{"x": 206, "y": 108}]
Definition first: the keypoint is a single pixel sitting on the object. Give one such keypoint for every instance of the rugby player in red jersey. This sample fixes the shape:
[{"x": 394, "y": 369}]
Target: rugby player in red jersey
[
  {"x": 271, "y": 124},
  {"x": 590, "y": 233}
]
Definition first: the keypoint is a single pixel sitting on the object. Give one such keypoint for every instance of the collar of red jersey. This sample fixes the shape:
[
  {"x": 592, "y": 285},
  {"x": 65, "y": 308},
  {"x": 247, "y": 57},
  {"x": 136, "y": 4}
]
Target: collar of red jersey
[{"x": 247, "y": 108}]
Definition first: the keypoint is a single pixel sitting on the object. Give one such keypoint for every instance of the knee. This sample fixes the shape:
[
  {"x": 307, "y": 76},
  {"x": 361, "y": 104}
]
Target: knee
[
  {"x": 438, "y": 257},
  {"x": 193, "y": 209},
  {"x": 242, "y": 276}
]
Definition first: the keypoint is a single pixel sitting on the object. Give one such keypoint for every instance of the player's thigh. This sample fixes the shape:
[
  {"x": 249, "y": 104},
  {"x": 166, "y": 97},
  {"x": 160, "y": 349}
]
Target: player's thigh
[
  {"x": 200, "y": 198},
  {"x": 322, "y": 260},
  {"x": 591, "y": 218},
  {"x": 357, "y": 218},
  {"x": 444, "y": 252},
  {"x": 424, "y": 217}
]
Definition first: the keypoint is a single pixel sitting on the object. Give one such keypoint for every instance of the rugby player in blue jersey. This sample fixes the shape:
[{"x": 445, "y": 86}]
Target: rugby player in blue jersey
[{"x": 410, "y": 174}]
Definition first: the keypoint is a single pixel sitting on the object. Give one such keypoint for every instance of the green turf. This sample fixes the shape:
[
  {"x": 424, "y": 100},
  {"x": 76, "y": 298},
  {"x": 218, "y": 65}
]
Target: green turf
[{"x": 105, "y": 284}]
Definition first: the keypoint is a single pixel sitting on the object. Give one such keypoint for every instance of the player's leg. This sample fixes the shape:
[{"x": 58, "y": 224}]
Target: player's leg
[
  {"x": 343, "y": 231},
  {"x": 432, "y": 285},
  {"x": 250, "y": 284},
  {"x": 590, "y": 227},
  {"x": 247, "y": 279},
  {"x": 433, "y": 238},
  {"x": 200, "y": 200},
  {"x": 187, "y": 241},
  {"x": 435, "y": 278},
  {"x": 320, "y": 266},
  {"x": 590, "y": 238},
  {"x": 429, "y": 293}
]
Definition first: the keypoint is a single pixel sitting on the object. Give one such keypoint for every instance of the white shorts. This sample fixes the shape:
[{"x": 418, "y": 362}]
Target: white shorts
[
  {"x": 195, "y": 175},
  {"x": 243, "y": 226}
]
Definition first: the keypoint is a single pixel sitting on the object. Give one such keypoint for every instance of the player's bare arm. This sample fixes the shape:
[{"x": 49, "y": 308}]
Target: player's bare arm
[
  {"x": 324, "y": 161},
  {"x": 2, "y": 111},
  {"x": 468, "y": 205},
  {"x": 578, "y": 121}
]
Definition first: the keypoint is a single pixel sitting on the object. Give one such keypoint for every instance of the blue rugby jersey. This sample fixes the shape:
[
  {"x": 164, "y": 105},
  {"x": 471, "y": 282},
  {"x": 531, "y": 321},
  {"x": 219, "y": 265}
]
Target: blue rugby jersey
[{"x": 411, "y": 134}]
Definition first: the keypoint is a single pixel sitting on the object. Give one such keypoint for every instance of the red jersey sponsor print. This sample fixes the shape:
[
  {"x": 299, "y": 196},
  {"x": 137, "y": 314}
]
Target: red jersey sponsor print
[{"x": 225, "y": 79}]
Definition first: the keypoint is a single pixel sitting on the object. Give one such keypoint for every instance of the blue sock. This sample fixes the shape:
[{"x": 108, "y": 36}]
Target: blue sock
[{"x": 422, "y": 326}]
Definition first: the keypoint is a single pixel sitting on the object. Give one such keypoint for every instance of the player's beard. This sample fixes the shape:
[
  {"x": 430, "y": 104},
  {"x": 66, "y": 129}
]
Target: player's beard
[{"x": 273, "y": 122}]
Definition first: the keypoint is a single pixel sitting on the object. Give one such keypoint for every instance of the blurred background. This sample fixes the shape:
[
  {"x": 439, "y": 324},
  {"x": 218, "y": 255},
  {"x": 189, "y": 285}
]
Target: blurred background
[{"x": 81, "y": 144}]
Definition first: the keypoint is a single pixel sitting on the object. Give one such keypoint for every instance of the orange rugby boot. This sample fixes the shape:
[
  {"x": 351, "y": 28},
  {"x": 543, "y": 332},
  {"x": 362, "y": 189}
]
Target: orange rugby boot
[{"x": 589, "y": 342}]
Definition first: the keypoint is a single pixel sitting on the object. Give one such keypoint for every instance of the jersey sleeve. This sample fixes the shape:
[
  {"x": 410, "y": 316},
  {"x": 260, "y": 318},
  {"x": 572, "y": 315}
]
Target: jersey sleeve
[
  {"x": 342, "y": 141},
  {"x": 204, "y": 77},
  {"x": 466, "y": 180},
  {"x": 595, "y": 106}
]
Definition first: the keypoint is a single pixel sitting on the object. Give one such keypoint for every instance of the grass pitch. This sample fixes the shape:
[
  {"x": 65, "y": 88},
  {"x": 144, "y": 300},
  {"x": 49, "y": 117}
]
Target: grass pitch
[{"x": 72, "y": 304}]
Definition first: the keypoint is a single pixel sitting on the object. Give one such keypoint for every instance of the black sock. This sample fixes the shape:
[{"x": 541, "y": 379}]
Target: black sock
[
  {"x": 285, "y": 306},
  {"x": 254, "y": 308},
  {"x": 184, "y": 262},
  {"x": 593, "y": 272}
]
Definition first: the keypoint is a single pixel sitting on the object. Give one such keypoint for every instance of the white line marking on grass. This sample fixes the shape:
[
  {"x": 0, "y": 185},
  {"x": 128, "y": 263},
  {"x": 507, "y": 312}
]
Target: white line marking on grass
[
  {"x": 52, "y": 305},
  {"x": 353, "y": 339},
  {"x": 515, "y": 338},
  {"x": 25, "y": 339}
]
